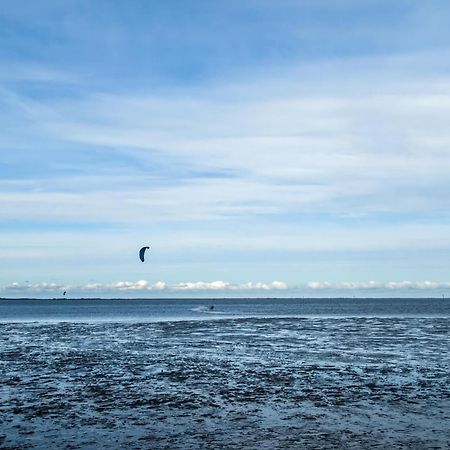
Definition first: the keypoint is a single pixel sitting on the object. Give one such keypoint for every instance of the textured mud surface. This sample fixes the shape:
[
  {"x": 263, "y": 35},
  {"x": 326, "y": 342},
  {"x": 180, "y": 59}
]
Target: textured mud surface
[{"x": 348, "y": 383}]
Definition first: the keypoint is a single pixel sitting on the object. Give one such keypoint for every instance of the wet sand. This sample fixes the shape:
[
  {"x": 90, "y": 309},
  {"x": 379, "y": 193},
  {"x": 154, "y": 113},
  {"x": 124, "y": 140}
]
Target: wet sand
[{"x": 349, "y": 383}]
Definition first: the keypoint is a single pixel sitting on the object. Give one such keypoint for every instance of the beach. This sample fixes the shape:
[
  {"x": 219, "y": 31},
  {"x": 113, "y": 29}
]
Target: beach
[{"x": 245, "y": 382}]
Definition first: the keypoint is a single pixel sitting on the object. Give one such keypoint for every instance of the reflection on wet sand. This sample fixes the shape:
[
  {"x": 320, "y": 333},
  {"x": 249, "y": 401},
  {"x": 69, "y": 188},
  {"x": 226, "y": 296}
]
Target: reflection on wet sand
[{"x": 242, "y": 383}]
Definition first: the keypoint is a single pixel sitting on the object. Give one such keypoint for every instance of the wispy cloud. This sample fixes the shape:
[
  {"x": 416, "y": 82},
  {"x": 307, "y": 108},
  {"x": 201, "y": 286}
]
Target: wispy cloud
[
  {"x": 289, "y": 150},
  {"x": 222, "y": 146}
]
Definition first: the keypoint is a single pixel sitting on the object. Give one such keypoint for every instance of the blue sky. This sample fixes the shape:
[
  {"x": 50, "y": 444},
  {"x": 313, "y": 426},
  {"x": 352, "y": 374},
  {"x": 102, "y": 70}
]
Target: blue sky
[{"x": 260, "y": 148}]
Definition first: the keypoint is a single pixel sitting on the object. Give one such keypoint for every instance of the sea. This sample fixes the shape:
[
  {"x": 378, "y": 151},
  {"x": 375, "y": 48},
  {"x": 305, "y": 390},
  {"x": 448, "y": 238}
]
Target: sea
[{"x": 269, "y": 373}]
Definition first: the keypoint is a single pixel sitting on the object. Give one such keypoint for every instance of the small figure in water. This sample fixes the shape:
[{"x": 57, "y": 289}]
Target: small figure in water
[{"x": 211, "y": 307}]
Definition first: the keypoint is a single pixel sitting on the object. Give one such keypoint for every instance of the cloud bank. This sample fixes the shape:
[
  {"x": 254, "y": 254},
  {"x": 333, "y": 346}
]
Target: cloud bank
[{"x": 143, "y": 288}]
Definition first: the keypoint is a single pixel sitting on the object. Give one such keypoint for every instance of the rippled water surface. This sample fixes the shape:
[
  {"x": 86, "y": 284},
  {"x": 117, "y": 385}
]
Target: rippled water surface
[{"x": 319, "y": 381}]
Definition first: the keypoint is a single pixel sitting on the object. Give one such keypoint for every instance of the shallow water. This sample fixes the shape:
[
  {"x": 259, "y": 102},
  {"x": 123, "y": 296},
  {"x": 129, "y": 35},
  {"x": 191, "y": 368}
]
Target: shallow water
[
  {"x": 142, "y": 310},
  {"x": 245, "y": 382}
]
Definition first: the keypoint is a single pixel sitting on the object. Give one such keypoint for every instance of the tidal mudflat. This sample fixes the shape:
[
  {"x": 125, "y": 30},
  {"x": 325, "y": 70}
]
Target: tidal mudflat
[{"x": 249, "y": 383}]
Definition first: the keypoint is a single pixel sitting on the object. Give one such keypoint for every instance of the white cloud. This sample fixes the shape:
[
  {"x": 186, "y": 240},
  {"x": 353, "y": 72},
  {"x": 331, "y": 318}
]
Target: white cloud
[
  {"x": 318, "y": 285},
  {"x": 159, "y": 286},
  {"x": 226, "y": 286},
  {"x": 376, "y": 285},
  {"x": 132, "y": 286},
  {"x": 278, "y": 285},
  {"x": 141, "y": 287},
  {"x": 34, "y": 287},
  {"x": 201, "y": 285}
]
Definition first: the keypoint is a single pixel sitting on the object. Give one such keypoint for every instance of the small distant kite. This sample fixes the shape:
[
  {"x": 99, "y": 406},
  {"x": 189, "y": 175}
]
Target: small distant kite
[{"x": 142, "y": 253}]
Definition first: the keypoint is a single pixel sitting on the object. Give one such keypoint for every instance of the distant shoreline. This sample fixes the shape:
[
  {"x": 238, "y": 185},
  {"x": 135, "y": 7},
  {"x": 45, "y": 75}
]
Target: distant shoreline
[{"x": 224, "y": 298}]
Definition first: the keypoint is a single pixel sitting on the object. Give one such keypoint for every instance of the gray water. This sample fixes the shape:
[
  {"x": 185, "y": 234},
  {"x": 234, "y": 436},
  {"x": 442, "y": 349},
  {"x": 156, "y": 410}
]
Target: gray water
[
  {"x": 142, "y": 310},
  {"x": 266, "y": 374}
]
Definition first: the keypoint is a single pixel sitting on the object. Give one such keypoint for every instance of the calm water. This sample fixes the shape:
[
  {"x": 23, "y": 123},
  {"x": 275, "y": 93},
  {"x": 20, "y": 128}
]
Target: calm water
[{"x": 113, "y": 310}]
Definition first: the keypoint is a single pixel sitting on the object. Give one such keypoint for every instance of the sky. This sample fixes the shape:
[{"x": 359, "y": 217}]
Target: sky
[{"x": 260, "y": 148}]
